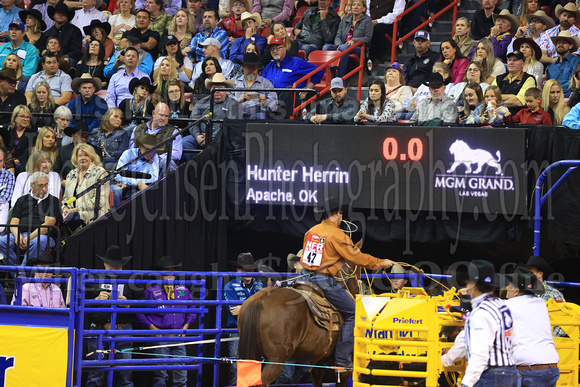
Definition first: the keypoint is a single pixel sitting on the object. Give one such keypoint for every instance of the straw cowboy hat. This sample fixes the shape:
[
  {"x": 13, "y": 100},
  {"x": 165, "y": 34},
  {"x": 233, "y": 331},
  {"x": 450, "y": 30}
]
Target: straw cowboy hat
[
  {"x": 218, "y": 78},
  {"x": 573, "y": 40},
  {"x": 570, "y": 7},
  {"x": 254, "y": 16},
  {"x": 86, "y": 78},
  {"x": 293, "y": 258},
  {"x": 146, "y": 140},
  {"x": 547, "y": 20},
  {"x": 505, "y": 14}
]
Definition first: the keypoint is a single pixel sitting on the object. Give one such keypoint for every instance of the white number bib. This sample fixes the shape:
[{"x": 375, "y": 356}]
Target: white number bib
[{"x": 313, "y": 251}]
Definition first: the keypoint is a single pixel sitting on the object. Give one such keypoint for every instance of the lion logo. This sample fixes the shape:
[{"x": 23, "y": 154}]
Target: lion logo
[{"x": 463, "y": 154}]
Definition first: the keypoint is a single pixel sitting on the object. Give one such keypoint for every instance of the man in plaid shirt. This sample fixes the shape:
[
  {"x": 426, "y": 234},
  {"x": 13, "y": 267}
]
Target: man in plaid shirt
[
  {"x": 6, "y": 190},
  {"x": 540, "y": 267}
]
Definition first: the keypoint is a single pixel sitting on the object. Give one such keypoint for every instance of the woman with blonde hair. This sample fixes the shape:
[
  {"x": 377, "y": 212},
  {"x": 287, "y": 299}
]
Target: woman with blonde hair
[
  {"x": 161, "y": 75},
  {"x": 42, "y": 102},
  {"x": 88, "y": 169},
  {"x": 182, "y": 26},
  {"x": 123, "y": 21},
  {"x": 492, "y": 65},
  {"x": 136, "y": 109},
  {"x": 553, "y": 101},
  {"x": 18, "y": 143},
  {"x": 13, "y": 61},
  {"x": 39, "y": 161},
  {"x": 46, "y": 141},
  {"x": 463, "y": 36},
  {"x": 111, "y": 138},
  {"x": 34, "y": 25},
  {"x": 532, "y": 54}
]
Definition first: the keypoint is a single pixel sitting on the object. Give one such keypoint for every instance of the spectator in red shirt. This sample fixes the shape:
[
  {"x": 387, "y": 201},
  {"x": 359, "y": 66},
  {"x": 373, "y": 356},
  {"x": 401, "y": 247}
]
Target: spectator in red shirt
[{"x": 533, "y": 113}]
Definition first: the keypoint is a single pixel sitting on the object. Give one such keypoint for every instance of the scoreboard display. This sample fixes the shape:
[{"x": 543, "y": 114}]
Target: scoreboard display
[{"x": 455, "y": 169}]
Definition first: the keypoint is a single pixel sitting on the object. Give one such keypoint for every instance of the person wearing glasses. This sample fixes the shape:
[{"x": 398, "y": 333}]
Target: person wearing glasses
[
  {"x": 18, "y": 140},
  {"x": 36, "y": 209}
]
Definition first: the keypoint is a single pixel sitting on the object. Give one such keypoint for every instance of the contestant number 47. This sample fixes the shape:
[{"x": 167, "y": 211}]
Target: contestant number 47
[{"x": 391, "y": 149}]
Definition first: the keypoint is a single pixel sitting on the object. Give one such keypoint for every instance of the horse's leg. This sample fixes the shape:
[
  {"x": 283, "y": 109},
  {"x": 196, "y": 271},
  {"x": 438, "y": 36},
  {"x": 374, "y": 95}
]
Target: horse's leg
[
  {"x": 270, "y": 373},
  {"x": 317, "y": 376}
]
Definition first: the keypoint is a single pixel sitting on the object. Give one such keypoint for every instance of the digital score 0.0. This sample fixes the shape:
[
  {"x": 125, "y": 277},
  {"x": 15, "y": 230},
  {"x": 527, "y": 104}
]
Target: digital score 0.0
[{"x": 414, "y": 149}]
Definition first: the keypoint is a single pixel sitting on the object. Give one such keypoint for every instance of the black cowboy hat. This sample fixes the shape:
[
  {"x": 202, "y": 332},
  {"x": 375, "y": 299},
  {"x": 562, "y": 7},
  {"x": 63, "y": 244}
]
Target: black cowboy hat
[
  {"x": 135, "y": 35},
  {"x": 435, "y": 79},
  {"x": 330, "y": 206},
  {"x": 524, "y": 279},
  {"x": 61, "y": 7},
  {"x": 541, "y": 264},
  {"x": 480, "y": 272},
  {"x": 141, "y": 82},
  {"x": 97, "y": 23},
  {"x": 251, "y": 59},
  {"x": 245, "y": 261},
  {"x": 79, "y": 126},
  {"x": 113, "y": 256},
  {"x": 35, "y": 14},
  {"x": 165, "y": 263},
  {"x": 45, "y": 258}
]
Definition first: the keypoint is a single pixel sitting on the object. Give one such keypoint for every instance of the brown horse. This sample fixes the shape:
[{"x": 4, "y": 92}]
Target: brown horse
[{"x": 276, "y": 325}]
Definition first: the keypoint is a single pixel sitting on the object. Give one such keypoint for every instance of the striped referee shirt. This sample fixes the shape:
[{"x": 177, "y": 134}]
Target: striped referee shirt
[{"x": 488, "y": 339}]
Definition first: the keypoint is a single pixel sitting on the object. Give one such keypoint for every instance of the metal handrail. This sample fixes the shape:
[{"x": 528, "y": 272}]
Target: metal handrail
[
  {"x": 327, "y": 64},
  {"x": 454, "y": 4}
]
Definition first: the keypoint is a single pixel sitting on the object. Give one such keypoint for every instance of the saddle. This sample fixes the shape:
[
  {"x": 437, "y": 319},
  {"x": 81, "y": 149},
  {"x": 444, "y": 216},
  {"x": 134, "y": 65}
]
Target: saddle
[{"x": 323, "y": 312}]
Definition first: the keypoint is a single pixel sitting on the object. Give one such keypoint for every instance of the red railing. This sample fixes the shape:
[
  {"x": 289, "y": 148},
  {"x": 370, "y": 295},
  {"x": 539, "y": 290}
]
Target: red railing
[
  {"x": 328, "y": 65},
  {"x": 453, "y": 5}
]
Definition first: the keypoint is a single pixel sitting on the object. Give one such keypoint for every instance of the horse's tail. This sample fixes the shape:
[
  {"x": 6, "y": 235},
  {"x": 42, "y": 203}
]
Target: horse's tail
[
  {"x": 248, "y": 347},
  {"x": 498, "y": 154}
]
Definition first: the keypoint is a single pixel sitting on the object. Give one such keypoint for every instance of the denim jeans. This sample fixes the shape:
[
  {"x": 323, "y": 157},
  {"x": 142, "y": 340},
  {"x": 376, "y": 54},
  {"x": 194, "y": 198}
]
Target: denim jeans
[
  {"x": 122, "y": 378},
  {"x": 308, "y": 48},
  {"x": 544, "y": 378},
  {"x": 337, "y": 296},
  {"x": 499, "y": 376},
  {"x": 233, "y": 352},
  {"x": 189, "y": 142},
  {"x": 35, "y": 248},
  {"x": 160, "y": 377},
  {"x": 342, "y": 67}
]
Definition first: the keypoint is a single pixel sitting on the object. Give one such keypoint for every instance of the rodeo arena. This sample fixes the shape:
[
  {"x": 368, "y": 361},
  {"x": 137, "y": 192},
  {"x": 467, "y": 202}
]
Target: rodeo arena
[{"x": 289, "y": 193}]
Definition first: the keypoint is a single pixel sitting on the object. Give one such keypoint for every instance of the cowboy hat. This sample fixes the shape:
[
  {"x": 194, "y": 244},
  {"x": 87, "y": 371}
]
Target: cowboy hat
[
  {"x": 330, "y": 206},
  {"x": 35, "y": 14},
  {"x": 524, "y": 279},
  {"x": 435, "y": 79},
  {"x": 541, "y": 264},
  {"x": 254, "y": 16},
  {"x": 480, "y": 272},
  {"x": 573, "y": 40},
  {"x": 537, "y": 50},
  {"x": 251, "y": 59},
  {"x": 218, "y": 78},
  {"x": 45, "y": 258},
  {"x": 245, "y": 261},
  {"x": 79, "y": 126},
  {"x": 144, "y": 81},
  {"x": 97, "y": 23},
  {"x": 8, "y": 74},
  {"x": 86, "y": 78},
  {"x": 165, "y": 263},
  {"x": 113, "y": 256},
  {"x": 505, "y": 14},
  {"x": 134, "y": 35},
  {"x": 398, "y": 269},
  {"x": 146, "y": 140},
  {"x": 569, "y": 7},
  {"x": 547, "y": 20},
  {"x": 293, "y": 258},
  {"x": 61, "y": 7}
]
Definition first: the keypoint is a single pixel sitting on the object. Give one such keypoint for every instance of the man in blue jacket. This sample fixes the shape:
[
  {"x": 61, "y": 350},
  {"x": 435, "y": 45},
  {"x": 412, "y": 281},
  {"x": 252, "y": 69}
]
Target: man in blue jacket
[
  {"x": 86, "y": 101},
  {"x": 239, "y": 289}
]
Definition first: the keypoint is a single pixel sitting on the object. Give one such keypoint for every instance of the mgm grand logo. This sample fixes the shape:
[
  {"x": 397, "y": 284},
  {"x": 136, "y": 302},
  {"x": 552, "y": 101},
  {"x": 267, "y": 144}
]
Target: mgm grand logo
[{"x": 474, "y": 172}]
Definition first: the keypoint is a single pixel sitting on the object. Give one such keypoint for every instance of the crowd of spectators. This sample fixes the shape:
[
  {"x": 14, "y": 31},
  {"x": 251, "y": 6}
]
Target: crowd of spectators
[{"x": 85, "y": 91}]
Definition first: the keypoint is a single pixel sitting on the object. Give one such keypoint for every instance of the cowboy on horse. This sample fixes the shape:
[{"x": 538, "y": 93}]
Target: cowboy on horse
[{"x": 326, "y": 248}]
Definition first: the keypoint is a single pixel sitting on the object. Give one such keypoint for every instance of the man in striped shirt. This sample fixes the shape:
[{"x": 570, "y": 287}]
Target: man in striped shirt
[{"x": 488, "y": 330}]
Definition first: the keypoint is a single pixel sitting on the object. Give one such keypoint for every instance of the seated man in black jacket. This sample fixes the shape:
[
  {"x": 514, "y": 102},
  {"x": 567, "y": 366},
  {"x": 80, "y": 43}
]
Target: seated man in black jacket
[
  {"x": 104, "y": 291},
  {"x": 420, "y": 65},
  {"x": 317, "y": 27},
  {"x": 69, "y": 35}
]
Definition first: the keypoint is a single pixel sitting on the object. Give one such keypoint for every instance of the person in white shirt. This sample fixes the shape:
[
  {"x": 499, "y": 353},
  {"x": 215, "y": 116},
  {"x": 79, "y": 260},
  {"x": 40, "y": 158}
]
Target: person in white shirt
[
  {"x": 488, "y": 330},
  {"x": 86, "y": 14},
  {"x": 534, "y": 350}
]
